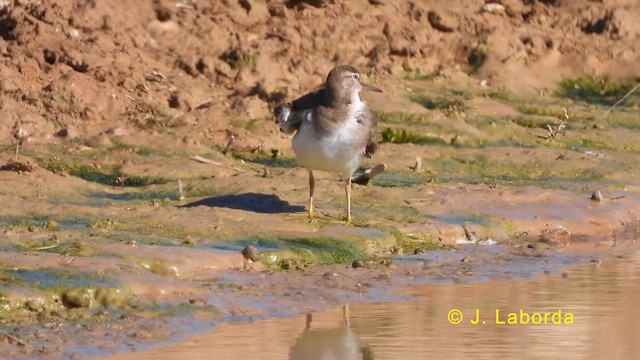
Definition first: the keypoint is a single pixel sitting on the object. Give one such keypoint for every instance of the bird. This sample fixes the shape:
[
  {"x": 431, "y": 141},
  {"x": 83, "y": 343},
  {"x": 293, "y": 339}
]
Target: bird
[
  {"x": 334, "y": 129},
  {"x": 19, "y": 134}
]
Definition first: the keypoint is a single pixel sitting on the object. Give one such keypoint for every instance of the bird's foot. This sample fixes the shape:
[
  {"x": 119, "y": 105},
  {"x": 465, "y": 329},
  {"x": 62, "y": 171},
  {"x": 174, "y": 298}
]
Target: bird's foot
[{"x": 312, "y": 218}]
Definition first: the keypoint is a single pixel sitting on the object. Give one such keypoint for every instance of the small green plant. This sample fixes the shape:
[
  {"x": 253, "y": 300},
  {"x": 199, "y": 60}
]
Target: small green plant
[
  {"x": 399, "y": 118},
  {"x": 239, "y": 59},
  {"x": 446, "y": 104},
  {"x": 532, "y": 122},
  {"x": 416, "y": 74},
  {"x": 535, "y": 110},
  {"x": 146, "y": 115},
  {"x": 402, "y": 136},
  {"x": 595, "y": 89}
]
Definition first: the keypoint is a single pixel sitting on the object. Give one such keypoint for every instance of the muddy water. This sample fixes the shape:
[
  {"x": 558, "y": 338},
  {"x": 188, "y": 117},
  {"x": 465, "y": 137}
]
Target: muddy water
[{"x": 598, "y": 319}]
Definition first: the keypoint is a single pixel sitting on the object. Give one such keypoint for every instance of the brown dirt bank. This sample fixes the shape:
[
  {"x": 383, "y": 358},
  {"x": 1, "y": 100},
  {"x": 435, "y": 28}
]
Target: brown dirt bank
[
  {"x": 84, "y": 66},
  {"x": 111, "y": 234}
]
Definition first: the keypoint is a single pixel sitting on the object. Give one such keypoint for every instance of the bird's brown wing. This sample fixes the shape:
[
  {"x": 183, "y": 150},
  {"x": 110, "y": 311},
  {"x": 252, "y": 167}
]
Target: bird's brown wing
[
  {"x": 291, "y": 115},
  {"x": 374, "y": 135},
  {"x": 372, "y": 144},
  {"x": 309, "y": 101}
]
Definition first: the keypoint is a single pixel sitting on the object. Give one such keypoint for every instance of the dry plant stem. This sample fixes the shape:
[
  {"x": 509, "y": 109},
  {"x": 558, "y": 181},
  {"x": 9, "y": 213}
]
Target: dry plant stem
[
  {"x": 557, "y": 129},
  {"x": 200, "y": 159},
  {"x": 418, "y": 165},
  {"x": 621, "y": 100},
  {"x": 180, "y": 190},
  {"x": 203, "y": 160}
]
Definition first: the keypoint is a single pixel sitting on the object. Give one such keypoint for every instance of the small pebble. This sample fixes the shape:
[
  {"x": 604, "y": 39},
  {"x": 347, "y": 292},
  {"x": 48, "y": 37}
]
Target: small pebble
[
  {"x": 50, "y": 224},
  {"x": 198, "y": 302},
  {"x": 419, "y": 251}
]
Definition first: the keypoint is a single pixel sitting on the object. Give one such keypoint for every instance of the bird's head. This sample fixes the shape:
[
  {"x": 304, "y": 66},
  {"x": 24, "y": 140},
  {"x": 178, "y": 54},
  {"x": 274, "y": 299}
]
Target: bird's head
[{"x": 343, "y": 84}]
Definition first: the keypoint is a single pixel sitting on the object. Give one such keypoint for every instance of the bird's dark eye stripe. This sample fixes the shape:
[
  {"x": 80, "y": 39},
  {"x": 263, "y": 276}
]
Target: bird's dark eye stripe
[{"x": 356, "y": 76}]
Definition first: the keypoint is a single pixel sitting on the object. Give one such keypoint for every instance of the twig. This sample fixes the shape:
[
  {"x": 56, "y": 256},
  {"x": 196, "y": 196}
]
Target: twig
[
  {"x": 363, "y": 179},
  {"x": 200, "y": 159},
  {"x": 597, "y": 196},
  {"x": 18, "y": 341},
  {"x": 45, "y": 247},
  {"x": 557, "y": 129},
  {"x": 621, "y": 100}
]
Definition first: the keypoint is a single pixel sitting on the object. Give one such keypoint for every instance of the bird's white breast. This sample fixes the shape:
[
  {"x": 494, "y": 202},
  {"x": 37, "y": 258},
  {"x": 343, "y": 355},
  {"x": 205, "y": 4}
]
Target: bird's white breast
[{"x": 333, "y": 151}]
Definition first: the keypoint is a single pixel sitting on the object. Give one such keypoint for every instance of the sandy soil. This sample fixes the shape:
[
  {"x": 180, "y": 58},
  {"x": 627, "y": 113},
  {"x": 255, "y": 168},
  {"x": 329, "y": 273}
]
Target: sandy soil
[{"x": 110, "y": 229}]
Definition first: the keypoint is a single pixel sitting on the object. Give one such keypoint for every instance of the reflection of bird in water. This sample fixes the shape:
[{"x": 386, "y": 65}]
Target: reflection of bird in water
[{"x": 339, "y": 343}]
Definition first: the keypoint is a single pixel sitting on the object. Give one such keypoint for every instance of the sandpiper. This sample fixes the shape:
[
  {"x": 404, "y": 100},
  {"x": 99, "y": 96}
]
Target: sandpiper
[{"x": 333, "y": 128}]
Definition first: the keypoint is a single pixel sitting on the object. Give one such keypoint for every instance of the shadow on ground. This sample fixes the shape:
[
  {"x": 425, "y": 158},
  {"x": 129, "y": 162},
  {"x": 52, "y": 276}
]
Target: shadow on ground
[{"x": 260, "y": 203}]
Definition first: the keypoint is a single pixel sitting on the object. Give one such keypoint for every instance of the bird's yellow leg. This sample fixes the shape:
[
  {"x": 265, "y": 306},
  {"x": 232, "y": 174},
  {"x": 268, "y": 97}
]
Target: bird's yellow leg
[
  {"x": 312, "y": 185},
  {"x": 347, "y": 190}
]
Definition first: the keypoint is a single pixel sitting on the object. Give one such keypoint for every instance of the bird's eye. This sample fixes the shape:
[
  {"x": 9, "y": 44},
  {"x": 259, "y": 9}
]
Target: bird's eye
[{"x": 356, "y": 76}]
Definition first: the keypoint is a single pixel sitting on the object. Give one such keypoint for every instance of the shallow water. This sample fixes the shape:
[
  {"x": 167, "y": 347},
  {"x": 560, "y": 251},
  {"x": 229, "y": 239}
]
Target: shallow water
[{"x": 602, "y": 298}]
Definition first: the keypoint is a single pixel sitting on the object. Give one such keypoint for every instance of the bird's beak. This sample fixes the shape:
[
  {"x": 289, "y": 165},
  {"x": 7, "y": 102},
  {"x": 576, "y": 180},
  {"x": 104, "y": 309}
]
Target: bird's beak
[{"x": 369, "y": 87}]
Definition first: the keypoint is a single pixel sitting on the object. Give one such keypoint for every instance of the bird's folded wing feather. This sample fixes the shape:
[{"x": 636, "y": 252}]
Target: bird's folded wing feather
[{"x": 291, "y": 115}]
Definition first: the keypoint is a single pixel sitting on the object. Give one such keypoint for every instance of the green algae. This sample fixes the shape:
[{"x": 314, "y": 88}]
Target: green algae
[
  {"x": 89, "y": 297},
  {"x": 71, "y": 304},
  {"x": 35, "y": 221},
  {"x": 408, "y": 243},
  {"x": 396, "y": 179},
  {"x": 300, "y": 252},
  {"x": 320, "y": 251},
  {"x": 114, "y": 177},
  {"x": 152, "y": 311},
  {"x": 487, "y": 168},
  {"x": 159, "y": 267},
  {"x": 54, "y": 245}
]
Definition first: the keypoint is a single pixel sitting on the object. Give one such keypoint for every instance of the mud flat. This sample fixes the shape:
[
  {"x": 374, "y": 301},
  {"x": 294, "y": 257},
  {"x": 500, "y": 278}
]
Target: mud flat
[{"x": 137, "y": 163}]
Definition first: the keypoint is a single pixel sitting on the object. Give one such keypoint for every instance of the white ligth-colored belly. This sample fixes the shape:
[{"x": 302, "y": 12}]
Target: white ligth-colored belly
[{"x": 333, "y": 152}]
